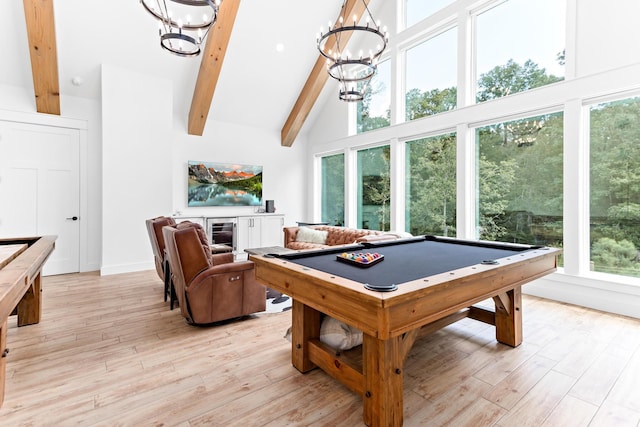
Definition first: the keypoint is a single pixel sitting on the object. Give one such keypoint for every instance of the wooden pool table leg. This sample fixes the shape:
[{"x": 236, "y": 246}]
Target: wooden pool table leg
[
  {"x": 3, "y": 358},
  {"x": 305, "y": 326},
  {"x": 382, "y": 364},
  {"x": 509, "y": 317},
  {"x": 29, "y": 309}
]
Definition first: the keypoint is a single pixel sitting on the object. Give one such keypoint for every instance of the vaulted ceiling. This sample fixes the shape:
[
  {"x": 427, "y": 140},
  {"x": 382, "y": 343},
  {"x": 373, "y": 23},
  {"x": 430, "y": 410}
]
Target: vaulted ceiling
[{"x": 255, "y": 85}]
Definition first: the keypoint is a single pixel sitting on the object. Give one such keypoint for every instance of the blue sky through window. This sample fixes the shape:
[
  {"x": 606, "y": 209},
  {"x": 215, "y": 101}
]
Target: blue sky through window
[
  {"x": 522, "y": 30},
  {"x": 417, "y": 10}
]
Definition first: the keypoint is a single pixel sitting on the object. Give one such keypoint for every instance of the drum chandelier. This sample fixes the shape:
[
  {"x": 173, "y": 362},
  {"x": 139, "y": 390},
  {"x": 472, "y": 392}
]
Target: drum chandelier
[
  {"x": 183, "y": 24},
  {"x": 352, "y": 68}
]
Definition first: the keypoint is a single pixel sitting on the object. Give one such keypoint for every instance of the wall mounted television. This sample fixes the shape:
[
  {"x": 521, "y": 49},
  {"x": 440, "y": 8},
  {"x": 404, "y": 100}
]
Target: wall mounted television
[{"x": 223, "y": 184}]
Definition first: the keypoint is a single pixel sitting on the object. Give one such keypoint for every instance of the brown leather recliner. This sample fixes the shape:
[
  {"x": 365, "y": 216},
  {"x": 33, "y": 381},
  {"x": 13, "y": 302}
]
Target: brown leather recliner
[
  {"x": 210, "y": 288},
  {"x": 154, "y": 228}
]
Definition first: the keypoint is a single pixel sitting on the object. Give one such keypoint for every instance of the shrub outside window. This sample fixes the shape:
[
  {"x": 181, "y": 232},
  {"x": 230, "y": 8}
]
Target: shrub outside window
[
  {"x": 430, "y": 197},
  {"x": 374, "y": 188},
  {"x": 332, "y": 192},
  {"x": 519, "y": 181},
  {"x": 615, "y": 187}
]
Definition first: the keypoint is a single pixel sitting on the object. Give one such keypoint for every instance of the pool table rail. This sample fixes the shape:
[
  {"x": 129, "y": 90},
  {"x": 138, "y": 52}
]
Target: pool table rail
[{"x": 21, "y": 290}]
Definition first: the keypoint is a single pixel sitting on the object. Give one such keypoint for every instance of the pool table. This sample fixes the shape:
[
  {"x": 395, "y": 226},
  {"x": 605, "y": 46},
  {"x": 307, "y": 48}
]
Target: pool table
[{"x": 425, "y": 282}]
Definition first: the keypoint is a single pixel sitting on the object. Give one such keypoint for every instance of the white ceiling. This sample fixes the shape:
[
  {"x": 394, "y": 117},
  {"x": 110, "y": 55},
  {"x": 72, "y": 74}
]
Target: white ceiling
[{"x": 257, "y": 87}]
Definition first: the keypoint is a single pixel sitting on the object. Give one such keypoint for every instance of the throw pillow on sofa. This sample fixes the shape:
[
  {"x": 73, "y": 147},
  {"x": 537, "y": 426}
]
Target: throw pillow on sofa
[{"x": 311, "y": 235}]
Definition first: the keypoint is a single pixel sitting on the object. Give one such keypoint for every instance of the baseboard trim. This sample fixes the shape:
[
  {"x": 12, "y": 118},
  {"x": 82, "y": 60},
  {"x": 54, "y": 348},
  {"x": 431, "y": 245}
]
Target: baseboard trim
[
  {"x": 126, "y": 268},
  {"x": 587, "y": 292}
]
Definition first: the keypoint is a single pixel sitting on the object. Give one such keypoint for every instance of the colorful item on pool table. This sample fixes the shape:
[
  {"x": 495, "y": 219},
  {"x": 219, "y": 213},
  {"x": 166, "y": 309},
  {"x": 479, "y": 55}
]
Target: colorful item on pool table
[{"x": 361, "y": 259}]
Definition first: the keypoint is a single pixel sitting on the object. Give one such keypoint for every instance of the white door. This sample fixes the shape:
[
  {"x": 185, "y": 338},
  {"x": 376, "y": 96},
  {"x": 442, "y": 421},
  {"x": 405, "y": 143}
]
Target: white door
[{"x": 40, "y": 189}]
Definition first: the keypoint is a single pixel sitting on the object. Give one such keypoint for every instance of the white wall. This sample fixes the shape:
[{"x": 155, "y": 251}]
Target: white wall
[
  {"x": 136, "y": 164},
  {"x": 144, "y": 161},
  {"x": 607, "y": 35}
]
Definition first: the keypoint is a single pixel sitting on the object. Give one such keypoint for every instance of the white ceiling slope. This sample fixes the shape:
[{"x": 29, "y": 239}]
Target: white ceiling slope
[{"x": 258, "y": 86}]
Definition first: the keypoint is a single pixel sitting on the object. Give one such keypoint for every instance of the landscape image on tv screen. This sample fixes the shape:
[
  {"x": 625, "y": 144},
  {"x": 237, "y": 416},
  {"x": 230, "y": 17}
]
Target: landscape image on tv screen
[{"x": 224, "y": 184}]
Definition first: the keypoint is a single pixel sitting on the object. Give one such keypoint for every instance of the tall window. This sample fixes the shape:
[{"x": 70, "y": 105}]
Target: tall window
[
  {"x": 374, "y": 188},
  {"x": 519, "y": 181},
  {"x": 332, "y": 196},
  {"x": 431, "y": 185},
  {"x": 520, "y": 46},
  {"x": 431, "y": 70},
  {"x": 615, "y": 187},
  {"x": 417, "y": 10},
  {"x": 374, "y": 110}
]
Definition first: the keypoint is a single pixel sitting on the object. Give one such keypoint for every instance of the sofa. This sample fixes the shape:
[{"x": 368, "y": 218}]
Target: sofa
[
  {"x": 324, "y": 236},
  {"x": 333, "y": 332}
]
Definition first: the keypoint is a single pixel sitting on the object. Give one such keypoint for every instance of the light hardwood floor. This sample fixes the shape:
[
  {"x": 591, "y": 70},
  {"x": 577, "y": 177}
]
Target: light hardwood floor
[{"x": 109, "y": 352}]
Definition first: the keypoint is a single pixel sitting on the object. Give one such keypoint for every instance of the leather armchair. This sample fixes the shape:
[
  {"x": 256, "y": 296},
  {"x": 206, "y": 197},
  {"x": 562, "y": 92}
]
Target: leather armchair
[
  {"x": 210, "y": 287},
  {"x": 154, "y": 228}
]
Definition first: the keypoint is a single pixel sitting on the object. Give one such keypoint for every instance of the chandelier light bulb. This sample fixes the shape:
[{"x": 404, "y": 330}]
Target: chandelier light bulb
[
  {"x": 352, "y": 70},
  {"x": 182, "y": 30}
]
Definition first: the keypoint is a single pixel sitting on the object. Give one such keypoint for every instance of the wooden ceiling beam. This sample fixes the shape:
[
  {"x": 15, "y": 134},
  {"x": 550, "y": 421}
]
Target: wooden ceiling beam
[
  {"x": 211, "y": 65},
  {"x": 317, "y": 79},
  {"x": 41, "y": 32}
]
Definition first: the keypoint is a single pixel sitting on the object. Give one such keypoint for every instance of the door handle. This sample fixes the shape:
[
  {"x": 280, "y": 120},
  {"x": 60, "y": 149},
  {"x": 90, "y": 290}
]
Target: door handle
[{"x": 73, "y": 218}]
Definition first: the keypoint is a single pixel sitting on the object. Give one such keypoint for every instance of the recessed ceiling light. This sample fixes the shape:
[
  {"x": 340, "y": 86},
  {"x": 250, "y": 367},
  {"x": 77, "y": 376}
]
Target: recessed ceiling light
[{"x": 279, "y": 47}]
